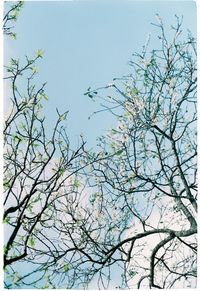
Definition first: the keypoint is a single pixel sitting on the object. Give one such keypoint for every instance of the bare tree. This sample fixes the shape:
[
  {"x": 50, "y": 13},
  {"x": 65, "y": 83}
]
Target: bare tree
[
  {"x": 147, "y": 187},
  {"x": 124, "y": 214},
  {"x": 38, "y": 164}
]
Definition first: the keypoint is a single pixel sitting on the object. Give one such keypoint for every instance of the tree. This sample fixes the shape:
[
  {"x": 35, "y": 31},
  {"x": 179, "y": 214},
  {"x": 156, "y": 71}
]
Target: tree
[
  {"x": 147, "y": 187},
  {"x": 76, "y": 218},
  {"x": 10, "y": 17},
  {"x": 38, "y": 163}
]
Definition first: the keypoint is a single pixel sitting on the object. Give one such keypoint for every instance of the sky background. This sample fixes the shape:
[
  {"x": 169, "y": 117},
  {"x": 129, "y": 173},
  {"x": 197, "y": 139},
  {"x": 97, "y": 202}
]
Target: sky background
[{"x": 87, "y": 44}]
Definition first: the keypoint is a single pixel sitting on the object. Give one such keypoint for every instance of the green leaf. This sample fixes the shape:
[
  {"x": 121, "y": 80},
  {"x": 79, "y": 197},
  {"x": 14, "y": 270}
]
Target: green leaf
[
  {"x": 14, "y": 62},
  {"x": 132, "y": 273},
  {"x": 63, "y": 116},
  {"x": 16, "y": 137},
  {"x": 46, "y": 286},
  {"x": 6, "y": 185},
  {"x": 6, "y": 220},
  {"x": 114, "y": 131},
  {"x": 62, "y": 170},
  {"x": 22, "y": 125},
  {"x": 34, "y": 70},
  {"x": 39, "y": 53},
  {"x": 118, "y": 153},
  {"x": 66, "y": 267},
  {"x": 76, "y": 183},
  {"x": 45, "y": 96},
  {"x": 134, "y": 91},
  {"x": 5, "y": 249},
  {"x": 31, "y": 242},
  {"x": 13, "y": 35}
]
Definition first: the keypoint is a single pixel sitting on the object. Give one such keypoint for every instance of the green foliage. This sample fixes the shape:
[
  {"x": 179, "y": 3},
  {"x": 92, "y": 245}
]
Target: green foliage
[
  {"x": 6, "y": 220},
  {"x": 39, "y": 53},
  {"x": 11, "y": 16},
  {"x": 31, "y": 241},
  {"x": 66, "y": 267},
  {"x": 100, "y": 211}
]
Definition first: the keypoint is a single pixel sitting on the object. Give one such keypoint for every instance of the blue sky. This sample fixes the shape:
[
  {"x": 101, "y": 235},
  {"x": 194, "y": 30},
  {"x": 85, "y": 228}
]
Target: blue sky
[{"x": 87, "y": 43}]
